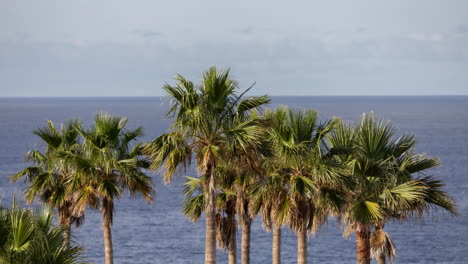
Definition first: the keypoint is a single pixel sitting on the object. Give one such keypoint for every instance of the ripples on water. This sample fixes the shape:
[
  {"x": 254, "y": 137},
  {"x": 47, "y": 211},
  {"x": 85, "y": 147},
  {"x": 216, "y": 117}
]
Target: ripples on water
[{"x": 159, "y": 233}]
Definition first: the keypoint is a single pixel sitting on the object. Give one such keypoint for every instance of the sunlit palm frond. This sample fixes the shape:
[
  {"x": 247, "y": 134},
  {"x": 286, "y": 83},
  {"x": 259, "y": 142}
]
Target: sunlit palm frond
[
  {"x": 30, "y": 237},
  {"x": 194, "y": 206},
  {"x": 366, "y": 212}
]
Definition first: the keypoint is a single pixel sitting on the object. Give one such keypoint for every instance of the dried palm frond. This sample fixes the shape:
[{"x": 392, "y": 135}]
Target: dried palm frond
[{"x": 382, "y": 245}]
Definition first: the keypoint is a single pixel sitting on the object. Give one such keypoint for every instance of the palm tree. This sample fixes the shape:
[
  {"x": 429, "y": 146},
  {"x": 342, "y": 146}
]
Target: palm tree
[
  {"x": 205, "y": 124},
  {"x": 244, "y": 214},
  {"x": 106, "y": 167},
  {"x": 235, "y": 174},
  {"x": 384, "y": 185},
  {"x": 194, "y": 205},
  {"x": 267, "y": 194},
  {"x": 247, "y": 167},
  {"x": 311, "y": 174},
  {"x": 48, "y": 177},
  {"x": 227, "y": 224},
  {"x": 230, "y": 186},
  {"x": 29, "y": 237},
  {"x": 247, "y": 170}
]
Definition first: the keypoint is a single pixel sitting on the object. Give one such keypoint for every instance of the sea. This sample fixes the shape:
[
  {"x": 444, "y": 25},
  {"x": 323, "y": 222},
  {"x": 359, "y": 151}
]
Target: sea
[{"x": 159, "y": 233}]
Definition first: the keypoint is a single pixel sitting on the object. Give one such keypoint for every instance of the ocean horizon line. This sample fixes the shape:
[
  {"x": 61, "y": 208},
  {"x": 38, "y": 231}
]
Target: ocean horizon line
[{"x": 273, "y": 96}]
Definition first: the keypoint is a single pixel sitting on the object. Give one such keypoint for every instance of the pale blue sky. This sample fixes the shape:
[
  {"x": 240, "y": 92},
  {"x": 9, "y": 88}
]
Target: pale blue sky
[{"x": 131, "y": 48}]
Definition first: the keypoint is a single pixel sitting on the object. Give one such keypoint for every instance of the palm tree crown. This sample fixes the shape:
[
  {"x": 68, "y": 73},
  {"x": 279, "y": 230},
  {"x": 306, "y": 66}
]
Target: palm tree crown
[
  {"x": 48, "y": 178},
  {"x": 309, "y": 173},
  {"x": 389, "y": 180}
]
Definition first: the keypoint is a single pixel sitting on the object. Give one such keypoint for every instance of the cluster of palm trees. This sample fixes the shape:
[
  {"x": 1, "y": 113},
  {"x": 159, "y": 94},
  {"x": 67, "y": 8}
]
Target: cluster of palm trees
[
  {"x": 283, "y": 165},
  {"x": 291, "y": 168},
  {"x": 87, "y": 168}
]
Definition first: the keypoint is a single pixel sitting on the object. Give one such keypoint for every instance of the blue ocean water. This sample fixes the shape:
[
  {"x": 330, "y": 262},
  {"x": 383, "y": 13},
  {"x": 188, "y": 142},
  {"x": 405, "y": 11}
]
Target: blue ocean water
[{"x": 159, "y": 233}]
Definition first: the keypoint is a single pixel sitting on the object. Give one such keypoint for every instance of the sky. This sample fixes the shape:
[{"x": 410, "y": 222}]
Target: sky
[{"x": 54, "y": 48}]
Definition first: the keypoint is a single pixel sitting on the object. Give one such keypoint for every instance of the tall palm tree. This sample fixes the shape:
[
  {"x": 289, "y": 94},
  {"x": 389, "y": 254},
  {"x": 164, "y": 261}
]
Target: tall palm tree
[
  {"x": 311, "y": 173},
  {"x": 205, "y": 124},
  {"x": 48, "y": 177},
  {"x": 106, "y": 167},
  {"x": 385, "y": 186}
]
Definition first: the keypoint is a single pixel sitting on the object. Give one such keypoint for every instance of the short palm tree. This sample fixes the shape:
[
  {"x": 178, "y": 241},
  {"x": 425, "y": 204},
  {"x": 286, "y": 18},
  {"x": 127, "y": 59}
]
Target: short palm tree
[
  {"x": 247, "y": 170},
  {"x": 384, "y": 184},
  {"x": 205, "y": 124},
  {"x": 48, "y": 177},
  {"x": 267, "y": 194},
  {"x": 29, "y": 237},
  {"x": 311, "y": 174},
  {"x": 244, "y": 180},
  {"x": 194, "y": 205},
  {"x": 105, "y": 168},
  {"x": 245, "y": 167},
  {"x": 232, "y": 197}
]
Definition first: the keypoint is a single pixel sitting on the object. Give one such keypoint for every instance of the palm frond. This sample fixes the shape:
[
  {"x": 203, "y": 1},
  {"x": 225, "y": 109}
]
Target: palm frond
[{"x": 381, "y": 245}]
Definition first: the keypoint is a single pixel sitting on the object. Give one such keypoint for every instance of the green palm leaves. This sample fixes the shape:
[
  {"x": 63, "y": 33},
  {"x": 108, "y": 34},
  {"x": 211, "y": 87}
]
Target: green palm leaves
[
  {"x": 386, "y": 171},
  {"x": 303, "y": 170},
  {"x": 389, "y": 179},
  {"x": 108, "y": 165},
  {"x": 48, "y": 178},
  {"x": 29, "y": 237}
]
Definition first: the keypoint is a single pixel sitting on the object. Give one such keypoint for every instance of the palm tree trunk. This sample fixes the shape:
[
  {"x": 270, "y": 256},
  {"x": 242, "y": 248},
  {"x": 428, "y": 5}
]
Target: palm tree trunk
[
  {"x": 210, "y": 237},
  {"x": 232, "y": 258},
  {"x": 107, "y": 208},
  {"x": 232, "y": 247},
  {"x": 276, "y": 248},
  {"x": 363, "y": 245},
  {"x": 246, "y": 226},
  {"x": 302, "y": 245},
  {"x": 64, "y": 218}
]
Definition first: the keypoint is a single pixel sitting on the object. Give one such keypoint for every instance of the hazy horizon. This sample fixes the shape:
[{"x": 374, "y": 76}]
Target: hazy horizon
[{"x": 247, "y": 95}]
